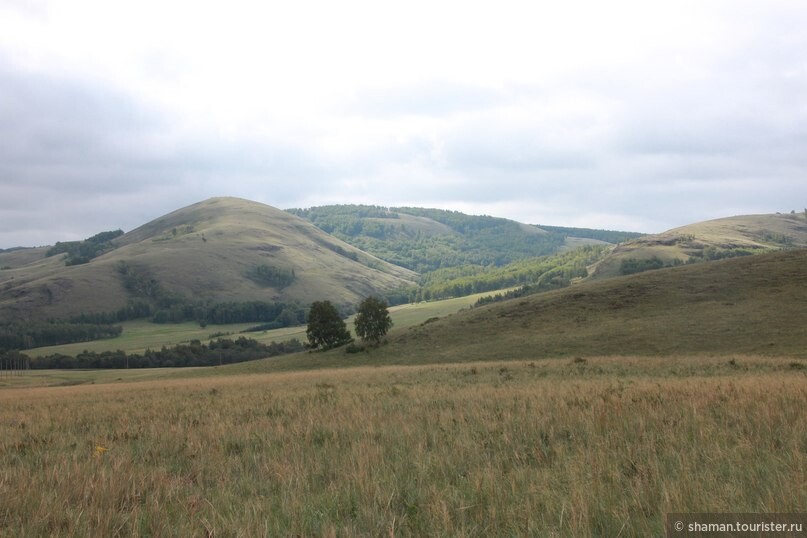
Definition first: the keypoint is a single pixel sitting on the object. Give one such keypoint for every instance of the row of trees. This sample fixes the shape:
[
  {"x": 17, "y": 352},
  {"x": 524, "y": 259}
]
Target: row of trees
[
  {"x": 273, "y": 315},
  {"x": 326, "y": 328},
  {"x": 30, "y": 334},
  {"x": 217, "y": 352}
]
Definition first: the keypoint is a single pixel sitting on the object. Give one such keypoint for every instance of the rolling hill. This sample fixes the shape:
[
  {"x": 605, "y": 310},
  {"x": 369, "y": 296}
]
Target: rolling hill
[
  {"x": 749, "y": 305},
  {"x": 222, "y": 249},
  {"x": 706, "y": 241}
]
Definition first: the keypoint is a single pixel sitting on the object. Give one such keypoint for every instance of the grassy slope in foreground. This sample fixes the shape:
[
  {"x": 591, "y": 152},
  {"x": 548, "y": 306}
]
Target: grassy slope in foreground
[
  {"x": 550, "y": 448},
  {"x": 753, "y": 305}
]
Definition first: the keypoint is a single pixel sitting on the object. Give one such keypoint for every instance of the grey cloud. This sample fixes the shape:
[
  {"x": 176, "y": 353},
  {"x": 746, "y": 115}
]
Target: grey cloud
[
  {"x": 67, "y": 135},
  {"x": 434, "y": 98},
  {"x": 90, "y": 157},
  {"x": 652, "y": 144}
]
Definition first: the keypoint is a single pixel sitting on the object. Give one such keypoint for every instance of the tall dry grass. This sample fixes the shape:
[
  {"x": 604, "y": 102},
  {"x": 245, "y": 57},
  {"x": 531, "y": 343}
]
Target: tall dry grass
[{"x": 598, "y": 448}]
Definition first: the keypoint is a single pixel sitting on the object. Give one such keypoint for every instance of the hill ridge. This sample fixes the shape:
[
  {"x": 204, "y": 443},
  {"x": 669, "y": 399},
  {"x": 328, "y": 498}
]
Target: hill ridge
[
  {"x": 709, "y": 240},
  {"x": 207, "y": 251}
]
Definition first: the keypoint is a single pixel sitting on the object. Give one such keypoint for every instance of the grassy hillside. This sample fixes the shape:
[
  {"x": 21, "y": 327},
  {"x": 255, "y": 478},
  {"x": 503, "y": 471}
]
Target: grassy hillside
[
  {"x": 14, "y": 258},
  {"x": 743, "y": 306},
  {"x": 213, "y": 250},
  {"x": 706, "y": 241}
]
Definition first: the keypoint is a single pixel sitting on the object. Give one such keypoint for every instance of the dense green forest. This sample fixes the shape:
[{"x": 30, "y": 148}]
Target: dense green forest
[
  {"x": 609, "y": 236},
  {"x": 29, "y": 334},
  {"x": 543, "y": 273},
  {"x": 272, "y": 314},
  {"x": 465, "y": 239}
]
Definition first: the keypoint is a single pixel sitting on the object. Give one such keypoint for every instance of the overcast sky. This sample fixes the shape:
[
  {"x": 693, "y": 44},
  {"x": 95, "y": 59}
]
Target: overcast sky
[{"x": 631, "y": 115}]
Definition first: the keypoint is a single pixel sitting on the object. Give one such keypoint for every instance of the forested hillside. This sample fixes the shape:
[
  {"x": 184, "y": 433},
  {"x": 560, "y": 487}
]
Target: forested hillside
[
  {"x": 541, "y": 274},
  {"x": 426, "y": 240}
]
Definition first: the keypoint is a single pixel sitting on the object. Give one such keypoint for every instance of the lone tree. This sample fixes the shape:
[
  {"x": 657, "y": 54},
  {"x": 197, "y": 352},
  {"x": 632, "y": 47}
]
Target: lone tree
[
  {"x": 372, "y": 320},
  {"x": 325, "y": 326}
]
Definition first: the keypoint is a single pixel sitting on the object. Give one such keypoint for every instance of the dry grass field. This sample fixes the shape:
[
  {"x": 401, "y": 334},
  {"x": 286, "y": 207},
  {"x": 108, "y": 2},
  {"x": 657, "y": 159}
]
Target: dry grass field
[{"x": 563, "y": 447}]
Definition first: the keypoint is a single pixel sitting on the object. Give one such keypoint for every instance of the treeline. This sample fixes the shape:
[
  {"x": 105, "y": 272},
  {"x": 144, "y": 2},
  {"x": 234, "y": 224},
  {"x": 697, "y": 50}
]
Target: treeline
[
  {"x": 713, "y": 253},
  {"x": 273, "y": 315},
  {"x": 277, "y": 314},
  {"x": 30, "y": 334},
  {"x": 222, "y": 351},
  {"x": 630, "y": 266},
  {"x": 545, "y": 273},
  {"x": 99, "y": 325},
  {"x": 134, "y": 309},
  {"x": 460, "y": 222},
  {"x": 523, "y": 291},
  {"x": 347, "y": 220},
  {"x": 609, "y": 236},
  {"x": 79, "y": 252}
]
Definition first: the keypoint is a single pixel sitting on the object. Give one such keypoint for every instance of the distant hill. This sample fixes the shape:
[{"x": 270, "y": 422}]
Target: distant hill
[
  {"x": 425, "y": 240},
  {"x": 13, "y": 258},
  {"x": 748, "y": 305},
  {"x": 706, "y": 241},
  {"x": 222, "y": 249}
]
